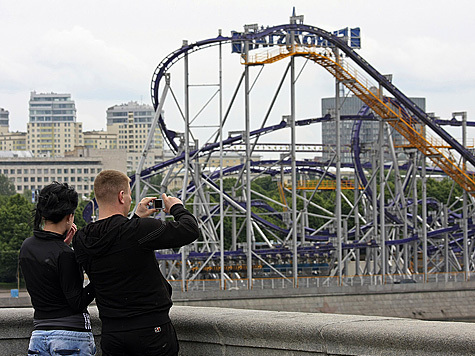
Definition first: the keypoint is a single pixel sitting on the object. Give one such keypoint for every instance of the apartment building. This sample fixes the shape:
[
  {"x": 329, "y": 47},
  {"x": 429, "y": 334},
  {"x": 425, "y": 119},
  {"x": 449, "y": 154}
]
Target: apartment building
[
  {"x": 131, "y": 123},
  {"x": 102, "y": 140},
  {"x": 52, "y": 128},
  {"x": 10, "y": 141},
  {"x": 4, "y": 117}
]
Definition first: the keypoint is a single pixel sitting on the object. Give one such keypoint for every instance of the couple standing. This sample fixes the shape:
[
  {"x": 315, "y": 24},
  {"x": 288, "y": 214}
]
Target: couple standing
[{"x": 117, "y": 253}]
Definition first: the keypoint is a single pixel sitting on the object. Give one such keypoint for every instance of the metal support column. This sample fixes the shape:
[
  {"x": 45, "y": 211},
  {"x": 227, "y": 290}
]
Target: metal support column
[
  {"x": 187, "y": 157},
  {"x": 221, "y": 187},
  {"x": 382, "y": 187},
  {"x": 338, "y": 173},
  {"x": 424, "y": 217},
  {"x": 149, "y": 140},
  {"x": 248, "y": 167},
  {"x": 293, "y": 160},
  {"x": 466, "y": 254}
]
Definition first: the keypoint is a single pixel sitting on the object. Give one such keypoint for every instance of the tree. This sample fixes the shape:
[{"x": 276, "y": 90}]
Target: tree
[
  {"x": 6, "y": 186},
  {"x": 15, "y": 226}
]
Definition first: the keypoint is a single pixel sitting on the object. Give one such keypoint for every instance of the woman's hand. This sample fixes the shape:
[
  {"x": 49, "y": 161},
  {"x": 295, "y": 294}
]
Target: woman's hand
[{"x": 70, "y": 234}]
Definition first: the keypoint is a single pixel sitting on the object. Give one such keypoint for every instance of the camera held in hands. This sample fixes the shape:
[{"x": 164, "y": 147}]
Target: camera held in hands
[{"x": 158, "y": 203}]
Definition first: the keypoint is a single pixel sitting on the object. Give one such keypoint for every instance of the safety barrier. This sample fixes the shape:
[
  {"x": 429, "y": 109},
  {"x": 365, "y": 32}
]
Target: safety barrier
[
  {"x": 318, "y": 281},
  {"x": 223, "y": 331}
]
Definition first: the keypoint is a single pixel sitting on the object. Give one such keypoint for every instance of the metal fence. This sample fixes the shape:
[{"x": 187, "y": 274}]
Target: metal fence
[{"x": 319, "y": 282}]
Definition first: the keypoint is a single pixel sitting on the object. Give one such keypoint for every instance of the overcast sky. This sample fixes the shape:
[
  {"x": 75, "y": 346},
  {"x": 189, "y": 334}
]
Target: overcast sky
[{"x": 104, "y": 52}]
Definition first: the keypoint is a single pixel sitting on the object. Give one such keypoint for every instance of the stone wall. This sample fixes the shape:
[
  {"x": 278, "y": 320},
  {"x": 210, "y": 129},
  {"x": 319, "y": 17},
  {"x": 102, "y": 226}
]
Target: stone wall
[
  {"x": 429, "y": 301},
  {"x": 224, "y": 331}
]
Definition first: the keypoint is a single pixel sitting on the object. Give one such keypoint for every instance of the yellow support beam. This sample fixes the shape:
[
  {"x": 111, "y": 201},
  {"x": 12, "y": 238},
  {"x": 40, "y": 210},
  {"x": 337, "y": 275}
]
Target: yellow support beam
[
  {"x": 394, "y": 115},
  {"x": 326, "y": 184}
]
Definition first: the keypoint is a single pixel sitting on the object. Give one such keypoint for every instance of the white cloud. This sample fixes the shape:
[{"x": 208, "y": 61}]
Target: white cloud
[{"x": 104, "y": 53}]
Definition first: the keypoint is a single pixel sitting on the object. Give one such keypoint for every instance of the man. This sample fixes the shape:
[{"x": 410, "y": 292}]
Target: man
[{"x": 117, "y": 254}]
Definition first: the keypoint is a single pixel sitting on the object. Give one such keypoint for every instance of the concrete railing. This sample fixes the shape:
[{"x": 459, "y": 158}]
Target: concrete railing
[{"x": 222, "y": 331}]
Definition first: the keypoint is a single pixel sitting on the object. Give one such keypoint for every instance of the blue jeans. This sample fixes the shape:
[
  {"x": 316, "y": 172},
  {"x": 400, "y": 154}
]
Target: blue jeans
[{"x": 61, "y": 342}]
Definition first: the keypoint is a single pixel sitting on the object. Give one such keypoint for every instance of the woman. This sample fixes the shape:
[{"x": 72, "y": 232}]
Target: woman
[{"x": 54, "y": 280}]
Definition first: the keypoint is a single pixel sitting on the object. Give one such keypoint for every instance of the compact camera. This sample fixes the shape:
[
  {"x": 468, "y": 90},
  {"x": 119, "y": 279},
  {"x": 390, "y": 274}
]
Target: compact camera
[{"x": 158, "y": 203}]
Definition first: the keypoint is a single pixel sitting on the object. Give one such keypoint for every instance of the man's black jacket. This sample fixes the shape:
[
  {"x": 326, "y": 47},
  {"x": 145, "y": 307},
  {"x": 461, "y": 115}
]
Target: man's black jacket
[{"x": 117, "y": 254}]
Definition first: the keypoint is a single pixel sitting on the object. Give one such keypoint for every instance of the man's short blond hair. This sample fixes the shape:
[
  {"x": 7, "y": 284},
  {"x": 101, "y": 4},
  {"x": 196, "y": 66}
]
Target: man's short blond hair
[{"x": 108, "y": 184}]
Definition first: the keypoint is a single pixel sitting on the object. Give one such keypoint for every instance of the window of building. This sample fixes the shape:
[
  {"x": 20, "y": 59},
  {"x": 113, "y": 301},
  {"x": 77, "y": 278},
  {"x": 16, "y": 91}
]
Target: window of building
[
  {"x": 39, "y": 179},
  {"x": 25, "y": 179},
  {"x": 73, "y": 171},
  {"x": 79, "y": 170},
  {"x": 59, "y": 170},
  {"x": 25, "y": 171},
  {"x": 32, "y": 171},
  {"x": 86, "y": 187},
  {"x": 32, "y": 179},
  {"x": 12, "y": 171},
  {"x": 18, "y": 187},
  {"x": 46, "y": 171},
  {"x": 66, "y": 171},
  {"x": 73, "y": 179},
  {"x": 5, "y": 171},
  {"x": 18, "y": 171}
]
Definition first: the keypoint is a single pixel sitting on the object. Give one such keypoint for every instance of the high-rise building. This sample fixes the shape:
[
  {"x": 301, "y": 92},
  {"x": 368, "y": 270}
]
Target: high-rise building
[
  {"x": 132, "y": 122},
  {"x": 10, "y": 141},
  {"x": 52, "y": 129},
  {"x": 369, "y": 131},
  {"x": 4, "y": 117}
]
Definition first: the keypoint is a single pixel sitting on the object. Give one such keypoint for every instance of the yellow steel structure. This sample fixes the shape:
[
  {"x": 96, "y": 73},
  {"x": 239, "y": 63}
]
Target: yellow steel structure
[
  {"x": 282, "y": 195},
  {"x": 392, "y": 113},
  {"x": 326, "y": 184}
]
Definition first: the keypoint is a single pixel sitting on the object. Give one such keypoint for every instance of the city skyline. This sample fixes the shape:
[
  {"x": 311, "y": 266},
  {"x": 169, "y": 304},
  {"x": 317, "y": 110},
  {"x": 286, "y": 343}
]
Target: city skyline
[{"x": 107, "y": 56}]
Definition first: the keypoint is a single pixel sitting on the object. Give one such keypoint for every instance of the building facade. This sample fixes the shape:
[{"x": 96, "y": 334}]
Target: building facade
[
  {"x": 131, "y": 123},
  {"x": 4, "y": 119},
  {"x": 102, "y": 140},
  {"x": 32, "y": 173},
  {"x": 52, "y": 128}
]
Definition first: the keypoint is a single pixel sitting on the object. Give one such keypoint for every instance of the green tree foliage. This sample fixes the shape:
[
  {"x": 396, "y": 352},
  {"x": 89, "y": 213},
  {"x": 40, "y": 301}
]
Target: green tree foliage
[
  {"x": 6, "y": 186},
  {"x": 15, "y": 222},
  {"x": 15, "y": 226}
]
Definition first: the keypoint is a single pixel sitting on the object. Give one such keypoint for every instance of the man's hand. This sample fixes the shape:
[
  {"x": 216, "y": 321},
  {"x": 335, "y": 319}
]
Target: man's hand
[
  {"x": 168, "y": 202},
  {"x": 143, "y": 210}
]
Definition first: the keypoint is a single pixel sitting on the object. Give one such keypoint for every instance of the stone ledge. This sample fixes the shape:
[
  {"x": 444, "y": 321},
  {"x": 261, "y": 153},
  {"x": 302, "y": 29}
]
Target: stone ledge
[{"x": 223, "y": 331}]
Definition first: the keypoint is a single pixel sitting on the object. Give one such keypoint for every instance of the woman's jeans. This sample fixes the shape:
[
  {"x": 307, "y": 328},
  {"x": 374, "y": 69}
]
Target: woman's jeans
[{"x": 61, "y": 342}]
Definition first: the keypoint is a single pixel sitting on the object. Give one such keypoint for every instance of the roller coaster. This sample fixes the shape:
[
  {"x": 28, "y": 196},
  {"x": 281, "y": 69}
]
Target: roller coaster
[{"x": 393, "y": 230}]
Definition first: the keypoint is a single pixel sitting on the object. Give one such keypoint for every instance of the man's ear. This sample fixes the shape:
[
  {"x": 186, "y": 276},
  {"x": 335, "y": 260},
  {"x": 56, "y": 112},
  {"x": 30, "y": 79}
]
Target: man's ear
[{"x": 121, "y": 197}]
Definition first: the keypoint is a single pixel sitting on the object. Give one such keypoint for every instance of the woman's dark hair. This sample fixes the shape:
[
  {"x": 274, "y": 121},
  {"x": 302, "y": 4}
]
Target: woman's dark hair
[{"x": 55, "y": 201}]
